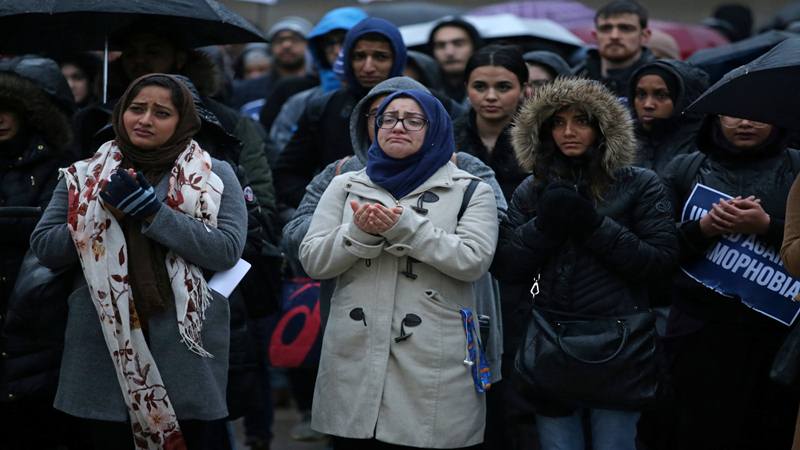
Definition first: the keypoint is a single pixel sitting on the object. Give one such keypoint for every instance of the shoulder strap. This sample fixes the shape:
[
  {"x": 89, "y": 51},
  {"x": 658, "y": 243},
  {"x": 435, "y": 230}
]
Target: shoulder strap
[
  {"x": 473, "y": 184},
  {"x": 689, "y": 169},
  {"x": 339, "y": 165},
  {"x": 794, "y": 159}
]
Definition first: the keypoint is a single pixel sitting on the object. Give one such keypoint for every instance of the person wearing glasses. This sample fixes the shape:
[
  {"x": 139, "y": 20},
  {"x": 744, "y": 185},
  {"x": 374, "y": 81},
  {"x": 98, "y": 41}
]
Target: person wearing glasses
[
  {"x": 399, "y": 357},
  {"x": 543, "y": 67},
  {"x": 496, "y": 78},
  {"x": 723, "y": 349}
]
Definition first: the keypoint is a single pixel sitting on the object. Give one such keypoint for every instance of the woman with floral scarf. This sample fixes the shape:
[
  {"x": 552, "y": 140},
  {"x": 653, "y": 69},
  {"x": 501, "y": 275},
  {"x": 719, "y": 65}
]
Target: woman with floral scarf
[{"x": 149, "y": 216}]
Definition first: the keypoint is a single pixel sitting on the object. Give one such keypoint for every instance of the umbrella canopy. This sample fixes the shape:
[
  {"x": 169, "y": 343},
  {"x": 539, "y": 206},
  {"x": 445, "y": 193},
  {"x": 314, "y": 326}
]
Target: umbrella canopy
[
  {"x": 567, "y": 13},
  {"x": 405, "y": 13},
  {"x": 499, "y": 26},
  {"x": 689, "y": 37},
  {"x": 721, "y": 60},
  {"x": 63, "y": 25},
  {"x": 764, "y": 90}
]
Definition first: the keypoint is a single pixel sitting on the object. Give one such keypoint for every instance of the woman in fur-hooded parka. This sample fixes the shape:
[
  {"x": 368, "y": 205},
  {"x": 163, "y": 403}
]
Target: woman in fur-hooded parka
[{"x": 597, "y": 229}]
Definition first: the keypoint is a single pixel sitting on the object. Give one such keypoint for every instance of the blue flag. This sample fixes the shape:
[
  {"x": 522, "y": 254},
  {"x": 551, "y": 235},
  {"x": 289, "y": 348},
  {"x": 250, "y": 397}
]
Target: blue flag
[{"x": 742, "y": 267}]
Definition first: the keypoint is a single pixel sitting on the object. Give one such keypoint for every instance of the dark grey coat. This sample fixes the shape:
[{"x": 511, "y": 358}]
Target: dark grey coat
[{"x": 88, "y": 385}]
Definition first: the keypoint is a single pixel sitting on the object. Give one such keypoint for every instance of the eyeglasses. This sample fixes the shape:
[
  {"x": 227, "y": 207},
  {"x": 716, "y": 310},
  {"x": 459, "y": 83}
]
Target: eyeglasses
[
  {"x": 733, "y": 122},
  {"x": 410, "y": 123}
]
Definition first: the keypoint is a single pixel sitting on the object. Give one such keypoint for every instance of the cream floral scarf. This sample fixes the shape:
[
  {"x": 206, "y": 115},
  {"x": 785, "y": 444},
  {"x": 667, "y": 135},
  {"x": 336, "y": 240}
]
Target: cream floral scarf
[{"x": 194, "y": 190}]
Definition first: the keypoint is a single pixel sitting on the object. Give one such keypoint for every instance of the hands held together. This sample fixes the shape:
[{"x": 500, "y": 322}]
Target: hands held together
[
  {"x": 737, "y": 215},
  {"x": 375, "y": 218},
  {"x": 563, "y": 211},
  {"x": 128, "y": 193}
]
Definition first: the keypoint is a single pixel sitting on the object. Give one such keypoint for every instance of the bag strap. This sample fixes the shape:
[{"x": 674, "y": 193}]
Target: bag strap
[
  {"x": 341, "y": 163},
  {"x": 689, "y": 170},
  {"x": 623, "y": 331},
  {"x": 473, "y": 184}
]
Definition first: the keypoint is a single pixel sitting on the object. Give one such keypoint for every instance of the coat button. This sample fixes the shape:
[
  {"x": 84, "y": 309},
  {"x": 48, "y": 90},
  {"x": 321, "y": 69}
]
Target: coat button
[
  {"x": 40, "y": 147},
  {"x": 347, "y": 242},
  {"x": 4, "y": 355},
  {"x": 11, "y": 396}
]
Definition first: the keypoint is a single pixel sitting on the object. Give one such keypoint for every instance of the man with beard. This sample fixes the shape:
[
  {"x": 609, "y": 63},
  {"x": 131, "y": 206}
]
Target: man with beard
[
  {"x": 452, "y": 42},
  {"x": 621, "y": 32},
  {"x": 288, "y": 42}
]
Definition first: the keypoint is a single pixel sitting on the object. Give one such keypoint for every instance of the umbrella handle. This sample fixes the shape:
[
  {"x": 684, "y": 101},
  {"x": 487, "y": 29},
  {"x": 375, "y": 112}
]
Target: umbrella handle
[{"x": 105, "y": 72}]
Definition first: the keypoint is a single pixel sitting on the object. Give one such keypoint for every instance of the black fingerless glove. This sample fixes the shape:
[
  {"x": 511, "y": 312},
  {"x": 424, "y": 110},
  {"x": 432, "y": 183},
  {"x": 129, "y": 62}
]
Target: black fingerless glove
[{"x": 134, "y": 197}]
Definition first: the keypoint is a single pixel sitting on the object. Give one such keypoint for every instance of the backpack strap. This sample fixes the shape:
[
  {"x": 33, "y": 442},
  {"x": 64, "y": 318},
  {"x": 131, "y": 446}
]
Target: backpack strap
[
  {"x": 794, "y": 160},
  {"x": 688, "y": 170},
  {"x": 473, "y": 184},
  {"x": 341, "y": 163}
]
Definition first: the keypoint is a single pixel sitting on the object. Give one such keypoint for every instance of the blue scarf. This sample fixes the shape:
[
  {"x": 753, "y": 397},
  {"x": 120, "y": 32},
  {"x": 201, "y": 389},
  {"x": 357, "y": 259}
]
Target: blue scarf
[{"x": 401, "y": 176}]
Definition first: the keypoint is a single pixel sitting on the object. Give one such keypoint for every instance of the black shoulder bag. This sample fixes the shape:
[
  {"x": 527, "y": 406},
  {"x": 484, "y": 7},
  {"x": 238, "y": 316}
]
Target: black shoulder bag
[{"x": 591, "y": 361}]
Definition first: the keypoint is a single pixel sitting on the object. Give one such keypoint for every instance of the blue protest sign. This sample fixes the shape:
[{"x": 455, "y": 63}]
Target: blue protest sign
[{"x": 742, "y": 267}]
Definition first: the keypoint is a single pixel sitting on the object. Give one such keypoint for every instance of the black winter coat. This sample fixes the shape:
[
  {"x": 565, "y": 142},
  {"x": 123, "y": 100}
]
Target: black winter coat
[
  {"x": 617, "y": 80},
  {"x": 768, "y": 176},
  {"x": 501, "y": 159}
]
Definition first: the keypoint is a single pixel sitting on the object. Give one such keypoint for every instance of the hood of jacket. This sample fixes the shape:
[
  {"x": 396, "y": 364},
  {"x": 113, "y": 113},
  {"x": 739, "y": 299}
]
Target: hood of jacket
[
  {"x": 613, "y": 118},
  {"x": 692, "y": 82},
  {"x": 199, "y": 68},
  {"x": 379, "y": 26},
  {"x": 553, "y": 61},
  {"x": 36, "y": 89},
  {"x": 428, "y": 69},
  {"x": 358, "y": 117},
  {"x": 336, "y": 19}
]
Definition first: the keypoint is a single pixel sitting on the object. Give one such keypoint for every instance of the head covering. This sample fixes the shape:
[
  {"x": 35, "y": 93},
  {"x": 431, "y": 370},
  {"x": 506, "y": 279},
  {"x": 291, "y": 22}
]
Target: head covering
[
  {"x": 549, "y": 60},
  {"x": 358, "y": 117},
  {"x": 296, "y": 24},
  {"x": 401, "y": 176},
  {"x": 669, "y": 77},
  {"x": 663, "y": 45},
  {"x": 453, "y": 21},
  {"x": 373, "y": 25},
  {"x": 155, "y": 162},
  {"x": 428, "y": 69}
]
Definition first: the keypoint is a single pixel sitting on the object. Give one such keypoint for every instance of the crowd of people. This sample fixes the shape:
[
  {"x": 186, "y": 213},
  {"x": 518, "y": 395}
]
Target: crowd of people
[{"x": 499, "y": 237}]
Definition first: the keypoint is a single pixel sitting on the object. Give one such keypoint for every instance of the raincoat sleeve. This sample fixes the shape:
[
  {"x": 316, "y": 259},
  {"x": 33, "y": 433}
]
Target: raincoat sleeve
[
  {"x": 333, "y": 242},
  {"x": 51, "y": 240},
  {"x": 465, "y": 254},
  {"x": 649, "y": 248},
  {"x": 790, "y": 250},
  {"x": 295, "y": 230}
]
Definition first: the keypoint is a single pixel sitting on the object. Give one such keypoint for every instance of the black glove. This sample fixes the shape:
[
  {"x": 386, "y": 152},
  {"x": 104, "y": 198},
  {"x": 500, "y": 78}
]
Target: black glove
[
  {"x": 584, "y": 216},
  {"x": 552, "y": 218},
  {"x": 134, "y": 197}
]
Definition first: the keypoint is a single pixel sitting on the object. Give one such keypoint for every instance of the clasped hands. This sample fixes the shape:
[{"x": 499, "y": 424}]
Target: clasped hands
[
  {"x": 736, "y": 215},
  {"x": 563, "y": 211},
  {"x": 127, "y": 193},
  {"x": 374, "y": 218}
]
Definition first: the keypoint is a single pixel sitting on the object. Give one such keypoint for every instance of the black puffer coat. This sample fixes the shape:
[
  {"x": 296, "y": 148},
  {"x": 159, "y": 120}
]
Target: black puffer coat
[
  {"x": 29, "y": 165},
  {"x": 501, "y": 159},
  {"x": 676, "y": 135},
  {"x": 609, "y": 272}
]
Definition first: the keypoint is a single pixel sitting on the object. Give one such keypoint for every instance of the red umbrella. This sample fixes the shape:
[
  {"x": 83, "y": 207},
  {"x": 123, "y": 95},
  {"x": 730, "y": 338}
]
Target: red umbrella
[{"x": 690, "y": 37}]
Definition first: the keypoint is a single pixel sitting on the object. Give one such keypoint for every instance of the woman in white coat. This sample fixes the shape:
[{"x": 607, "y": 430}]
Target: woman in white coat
[{"x": 404, "y": 239}]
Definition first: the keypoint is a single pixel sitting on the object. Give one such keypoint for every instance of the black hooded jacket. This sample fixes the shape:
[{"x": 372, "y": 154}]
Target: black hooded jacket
[
  {"x": 676, "y": 135},
  {"x": 609, "y": 272},
  {"x": 767, "y": 173},
  {"x": 29, "y": 163}
]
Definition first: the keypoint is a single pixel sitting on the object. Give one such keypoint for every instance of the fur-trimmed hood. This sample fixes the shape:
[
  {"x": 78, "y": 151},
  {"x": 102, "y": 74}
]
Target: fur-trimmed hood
[
  {"x": 34, "y": 95},
  {"x": 619, "y": 144}
]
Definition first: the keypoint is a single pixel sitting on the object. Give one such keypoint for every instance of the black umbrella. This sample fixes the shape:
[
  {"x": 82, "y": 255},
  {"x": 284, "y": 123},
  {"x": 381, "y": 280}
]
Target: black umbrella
[
  {"x": 766, "y": 89},
  {"x": 718, "y": 61},
  {"x": 63, "y": 25}
]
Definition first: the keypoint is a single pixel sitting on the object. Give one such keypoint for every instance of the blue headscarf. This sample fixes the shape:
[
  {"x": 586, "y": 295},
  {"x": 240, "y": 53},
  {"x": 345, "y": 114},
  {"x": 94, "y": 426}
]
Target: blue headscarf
[{"x": 401, "y": 176}]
